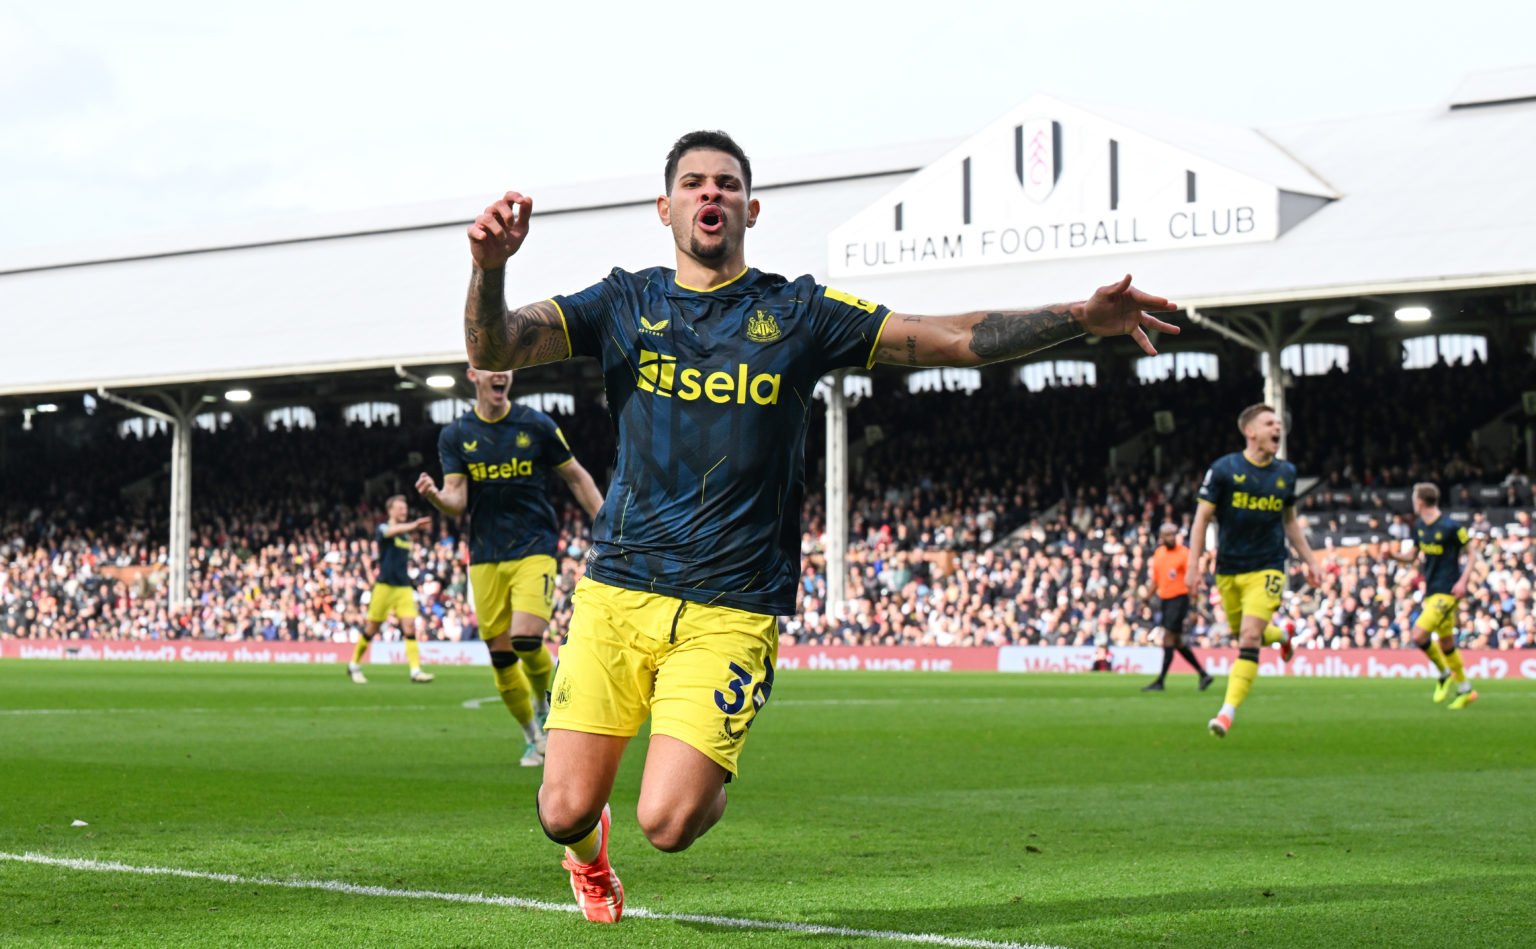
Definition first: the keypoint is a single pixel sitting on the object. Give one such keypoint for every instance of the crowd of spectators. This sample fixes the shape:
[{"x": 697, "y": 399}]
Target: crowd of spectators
[{"x": 976, "y": 519}]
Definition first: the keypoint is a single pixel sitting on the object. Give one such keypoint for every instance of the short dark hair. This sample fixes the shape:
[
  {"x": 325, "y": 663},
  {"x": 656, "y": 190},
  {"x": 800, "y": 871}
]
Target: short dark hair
[
  {"x": 712, "y": 140},
  {"x": 1249, "y": 414}
]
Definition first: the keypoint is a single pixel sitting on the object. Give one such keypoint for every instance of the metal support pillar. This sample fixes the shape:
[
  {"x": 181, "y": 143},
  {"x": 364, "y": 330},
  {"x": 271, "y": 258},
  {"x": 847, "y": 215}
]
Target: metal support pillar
[
  {"x": 178, "y": 418},
  {"x": 837, "y": 494}
]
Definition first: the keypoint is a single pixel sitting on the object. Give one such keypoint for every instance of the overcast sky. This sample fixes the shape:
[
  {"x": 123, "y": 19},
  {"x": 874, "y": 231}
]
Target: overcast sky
[{"x": 121, "y": 120}]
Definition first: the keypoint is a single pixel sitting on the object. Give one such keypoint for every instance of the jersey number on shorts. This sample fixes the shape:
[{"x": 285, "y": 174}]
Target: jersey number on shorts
[
  {"x": 1274, "y": 585},
  {"x": 738, "y": 697}
]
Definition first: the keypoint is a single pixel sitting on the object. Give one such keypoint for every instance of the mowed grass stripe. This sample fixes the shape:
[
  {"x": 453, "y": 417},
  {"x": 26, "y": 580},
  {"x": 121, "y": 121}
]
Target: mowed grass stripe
[
  {"x": 1035, "y": 809},
  {"x": 513, "y": 902}
]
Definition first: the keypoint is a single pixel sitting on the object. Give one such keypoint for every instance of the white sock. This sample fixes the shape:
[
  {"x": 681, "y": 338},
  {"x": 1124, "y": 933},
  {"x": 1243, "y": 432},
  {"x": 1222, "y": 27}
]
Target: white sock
[
  {"x": 1464, "y": 688},
  {"x": 1229, "y": 710},
  {"x": 531, "y": 730}
]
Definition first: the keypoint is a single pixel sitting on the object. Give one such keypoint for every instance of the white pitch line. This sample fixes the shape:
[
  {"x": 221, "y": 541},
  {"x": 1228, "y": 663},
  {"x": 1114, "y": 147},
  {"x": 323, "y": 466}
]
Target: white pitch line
[
  {"x": 476, "y": 703},
  {"x": 299, "y": 709},
  {"x": 632, "y": 912}
]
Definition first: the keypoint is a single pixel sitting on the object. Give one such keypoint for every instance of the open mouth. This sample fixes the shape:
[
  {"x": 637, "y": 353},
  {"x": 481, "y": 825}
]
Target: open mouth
[
  {"x": 711, "y": 219},
  {"x": 499, "y": 386}
]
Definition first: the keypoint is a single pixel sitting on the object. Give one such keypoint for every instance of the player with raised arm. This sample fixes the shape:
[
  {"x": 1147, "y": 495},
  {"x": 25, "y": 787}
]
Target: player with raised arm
[
  {"x": 709, "y": 371},
  {"x": 496, "y": 460},
  {"x": 393, "y": 592},
  {"x": 1252, "y": 496},
  {"x": 1441, "y": 541},
  {"x": 1168, "y": 576}
]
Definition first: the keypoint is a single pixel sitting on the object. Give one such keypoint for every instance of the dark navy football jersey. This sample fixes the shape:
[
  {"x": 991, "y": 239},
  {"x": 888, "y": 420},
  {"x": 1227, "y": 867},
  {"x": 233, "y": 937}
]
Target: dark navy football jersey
[
  {"x": 1441, "y": 543},
  {"x": 1250, "y": 504},
  {"x": 394, "y": 557},
  {"x": 710, "y": 390},
  {"x": 507, "y": 462}
]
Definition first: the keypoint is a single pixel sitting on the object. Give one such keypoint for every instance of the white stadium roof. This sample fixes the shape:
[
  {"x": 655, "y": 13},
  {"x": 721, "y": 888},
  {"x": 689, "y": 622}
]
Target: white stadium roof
[{"x": 1442, "y": 198}]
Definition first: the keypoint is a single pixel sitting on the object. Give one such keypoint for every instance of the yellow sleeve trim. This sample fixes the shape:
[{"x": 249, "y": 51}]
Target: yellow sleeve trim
[
  {"x": 565, "y": 462},
  {"x": 870, "y": 362},
  {"x": 453, "y": 474},
  {"x": 1208, "y": 503},
  {"x": 569, "y": 349}
]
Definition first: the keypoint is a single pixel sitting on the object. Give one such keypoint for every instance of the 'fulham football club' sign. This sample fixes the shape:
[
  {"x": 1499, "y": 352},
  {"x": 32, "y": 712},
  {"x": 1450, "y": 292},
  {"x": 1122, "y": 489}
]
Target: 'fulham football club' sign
[{"x": 1052, "y": 180}]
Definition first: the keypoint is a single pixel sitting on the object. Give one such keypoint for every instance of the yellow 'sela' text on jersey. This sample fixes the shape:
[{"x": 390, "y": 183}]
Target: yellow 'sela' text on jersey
[
  {"x": 402, "y": 542},
  {"x": 659, "y": 374},
  {"x": 515, "y": 468},
  {"x": 1257, "y": 502},
  {"x": 1433, "y": 550}
]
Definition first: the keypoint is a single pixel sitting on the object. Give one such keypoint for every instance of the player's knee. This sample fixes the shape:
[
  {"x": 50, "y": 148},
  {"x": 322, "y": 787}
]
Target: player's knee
[
  {"x": 527, "y": 643},
  {"x": 503, "y": 660},
  {"x": 566, "y": 816},
  {"x": 669, "y": 831}
]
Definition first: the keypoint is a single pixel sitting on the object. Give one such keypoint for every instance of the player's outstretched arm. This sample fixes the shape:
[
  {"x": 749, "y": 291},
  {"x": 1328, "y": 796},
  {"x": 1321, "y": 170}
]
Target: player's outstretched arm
[
  {"x": 579, "y": 480},
  {"x": 406, "y": 527},
  {"x": 451, "y": 498},
  {"x": 974, "y": 339},
  {"x": 496, "y": 338}
]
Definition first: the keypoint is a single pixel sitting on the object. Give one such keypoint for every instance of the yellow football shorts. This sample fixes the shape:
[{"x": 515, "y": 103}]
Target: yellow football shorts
[
  {"x": 1438, "y": 615},
  {"x": 388, "y": 599},
  {"x": 526, "y": 585},
  {"x": 1250, "y": 594},
  {"x": 702, "y": 673}
]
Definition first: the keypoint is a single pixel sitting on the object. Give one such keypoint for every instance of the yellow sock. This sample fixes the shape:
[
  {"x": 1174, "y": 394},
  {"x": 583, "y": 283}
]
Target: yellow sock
[
  {"x": 537, "y": 665},
  {"x": 1240, "y": 679},
  {"x": 1436, "y": 656},
  {"x": 587, "y": 848},
  {"x": 512, "y": 683},
  {"x": 359, "y": 649},
  {"x": 1453, "y": 659},
  {"x": 1273, "y": 634},
  {"x": 413, "y": 653}
]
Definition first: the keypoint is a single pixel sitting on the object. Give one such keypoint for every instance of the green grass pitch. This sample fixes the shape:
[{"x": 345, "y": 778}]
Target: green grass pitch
[{"x": 1068, "y": 811}]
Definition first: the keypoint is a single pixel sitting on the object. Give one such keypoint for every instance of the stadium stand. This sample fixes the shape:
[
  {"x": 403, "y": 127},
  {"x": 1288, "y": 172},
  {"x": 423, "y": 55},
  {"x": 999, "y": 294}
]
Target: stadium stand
[{"x": 977, "y": 519}]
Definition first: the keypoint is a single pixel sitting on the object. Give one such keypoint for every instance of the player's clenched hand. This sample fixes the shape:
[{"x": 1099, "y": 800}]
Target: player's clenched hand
[
  {"x": 422, "y": 523},
  {"x": 1313, "y": 575},
  {"x": 500, "y": 230},
  {"x": 1120, "y": 310},
  {"x": 427, "y": 488}
]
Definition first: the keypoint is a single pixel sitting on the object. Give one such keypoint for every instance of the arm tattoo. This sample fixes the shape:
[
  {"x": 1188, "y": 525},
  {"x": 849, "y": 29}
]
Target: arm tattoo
[
  {"x": 1016, "y": 333},
  {"x": 911, "y": 350},
  {"x": 497, "y": 338}
]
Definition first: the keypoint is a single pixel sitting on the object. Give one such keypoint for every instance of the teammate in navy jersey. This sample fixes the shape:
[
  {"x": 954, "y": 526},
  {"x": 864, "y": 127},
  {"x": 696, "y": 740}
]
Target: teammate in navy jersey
[
  {"x": 394, "y": 592},
  {"x": 709, "y": 371},
  {"x": 497, "y": 458},
  {"x": 1441, "y": 540},
  {"x": 1251, "y": 495}
]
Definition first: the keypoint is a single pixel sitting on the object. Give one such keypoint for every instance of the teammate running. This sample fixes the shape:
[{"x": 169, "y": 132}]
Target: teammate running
[
  {"x": 496, "y": 460},
  {"x": 709, "y": 371},
  {"x": 1441, "y": 541},
  {"x": 393, "y": 592},
  {"x": 1168, "y": 572},
  {"x": 1252, "y": 495}
]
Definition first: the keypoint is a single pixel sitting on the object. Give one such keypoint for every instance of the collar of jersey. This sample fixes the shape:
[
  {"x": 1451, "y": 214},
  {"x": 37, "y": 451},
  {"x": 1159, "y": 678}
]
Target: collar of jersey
[
  {"x": 1244, "y": 453},
  {"x": 719, "y": 286},
  {"x": 491, "y": 421}
]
